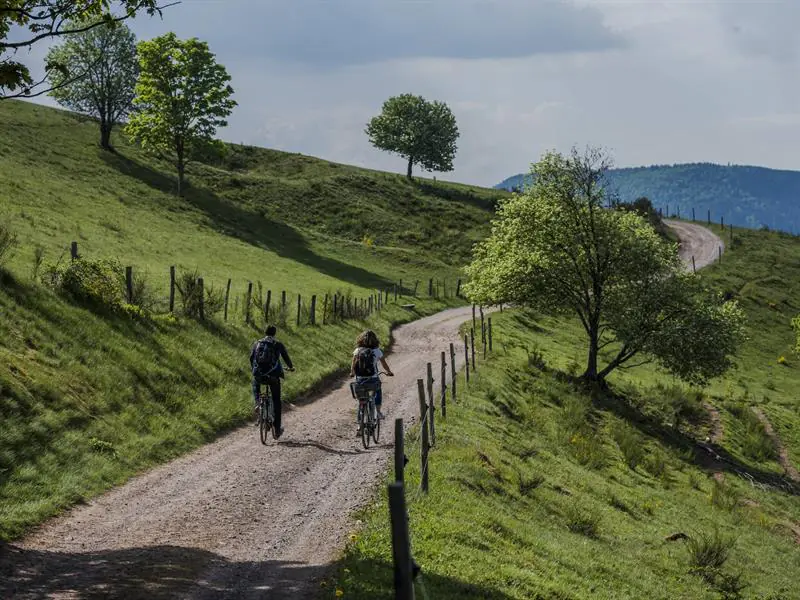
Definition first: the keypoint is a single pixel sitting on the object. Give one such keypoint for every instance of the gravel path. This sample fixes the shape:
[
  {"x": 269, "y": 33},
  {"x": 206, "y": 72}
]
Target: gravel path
[
  {"x": 233, "y": 519},
  {"x": 697, "y": 241}
]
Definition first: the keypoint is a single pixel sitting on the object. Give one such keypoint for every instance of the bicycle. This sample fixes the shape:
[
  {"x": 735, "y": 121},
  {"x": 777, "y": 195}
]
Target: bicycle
[
  {"x": 369, "y": 426},
  {"x": 266, "y": 413}
]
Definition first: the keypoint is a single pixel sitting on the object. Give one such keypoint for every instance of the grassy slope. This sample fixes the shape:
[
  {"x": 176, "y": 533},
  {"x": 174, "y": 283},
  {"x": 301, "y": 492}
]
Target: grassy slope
[
  {"x": 87, "y": 400},
  {"x": 509, "y": 474}
]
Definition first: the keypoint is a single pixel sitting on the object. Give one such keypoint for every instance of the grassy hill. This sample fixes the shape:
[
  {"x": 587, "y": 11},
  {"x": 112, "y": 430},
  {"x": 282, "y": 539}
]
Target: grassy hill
[
  {"x": 744, "y": 195},
  {"x": 89, "y": 397},
  {"x": 537, "y": 491}
]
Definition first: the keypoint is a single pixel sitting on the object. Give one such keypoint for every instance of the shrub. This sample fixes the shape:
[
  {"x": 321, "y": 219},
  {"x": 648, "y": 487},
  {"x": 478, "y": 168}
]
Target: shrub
[
  {"x": 95, "y": 283},
  {"x": 583, "y": 521},
  {"x": 709, "y": 551},
  {"x": 38, "y": 259},
  {"x": 144, "y": 295},
  {"x": 723, "y": 495},
  {"x": 630, "y": 443},
  {"x": 8, "y": 240},
  {"x": 189, "y": 290}
]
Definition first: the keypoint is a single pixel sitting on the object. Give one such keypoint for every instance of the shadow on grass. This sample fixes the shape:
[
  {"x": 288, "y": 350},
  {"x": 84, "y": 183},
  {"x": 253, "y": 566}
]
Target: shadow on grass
[
  {"x": 232, "y": 220},
  {"x": 162, "y": 572},
  {"x": 709, "y": 456},
  {"x": 457, "y": 194}
]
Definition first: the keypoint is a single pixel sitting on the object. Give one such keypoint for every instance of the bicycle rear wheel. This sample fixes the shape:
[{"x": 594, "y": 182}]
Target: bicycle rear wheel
[
  {"x": 376, "y": 423},
  {"x": 263, "y": 422},
  {"x": 365, "y": 427}
]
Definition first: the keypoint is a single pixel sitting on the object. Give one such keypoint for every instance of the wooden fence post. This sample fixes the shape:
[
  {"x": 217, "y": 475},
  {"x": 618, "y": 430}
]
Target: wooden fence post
[
  {"x": 453, "y": 371},
  {"x": 298, "y": 309},
  {"x": 473, "y": 315},
  {"x": 425, "y": 445},
  {"x": 399, "y": 451},
  {"x": 668, "y": 211},
  {"x": 172, "y": 292},
  {"x": 430, "y": 287},
  {"x": 694, "y": 266},
  {"x": 267, "y": 305},
  {"x": 730, "y": 226},
  {"x": 129, "y": 284},
  {"x": 443, "y": 384},
  {"x": 416, "y": 285},
  {"x": 395, "y": 293},
  {"x": 466, "y": 357},
  {"x": 249, "y": 302},
  {"x": 283, "y": 304},
  {"x": 401, "y": 544},
  {"x": 693, "y": 214},
  {"x": 472, "y": 347},
  {"x": 719, "y": 249},
  {"x": 314, "y": 309},
  {"x": 490, "y": 333},
  {"x": 458, "y": 288},
  {"x": 325, "y": 310},
  {"x": 431, "y": 405},
  {"x": 709, "y": 216},
  {"x": 73, "y": 251},
  {"x": 722, "y": 221},
  {"x": 202, "y": 298},
  {"x": 334, "y": 311}
]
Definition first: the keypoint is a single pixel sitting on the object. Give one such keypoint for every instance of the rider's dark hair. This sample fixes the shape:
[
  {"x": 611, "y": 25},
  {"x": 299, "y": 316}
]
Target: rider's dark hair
[
  {"x": 368, "y": 339},
  {"x": 271, "y": 330}
]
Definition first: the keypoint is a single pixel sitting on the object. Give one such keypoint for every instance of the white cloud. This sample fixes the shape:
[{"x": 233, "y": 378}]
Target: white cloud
[{"x": 659, "y": 82}]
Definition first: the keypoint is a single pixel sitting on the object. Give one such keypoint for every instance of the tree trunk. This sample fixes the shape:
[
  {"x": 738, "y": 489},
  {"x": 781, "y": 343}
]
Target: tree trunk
[
  {"x": 105, "y": 135},
  {"x": 591, "y": 366},
  {"x": 410, "y": 165},
  {"x": 181, "y": 171}
]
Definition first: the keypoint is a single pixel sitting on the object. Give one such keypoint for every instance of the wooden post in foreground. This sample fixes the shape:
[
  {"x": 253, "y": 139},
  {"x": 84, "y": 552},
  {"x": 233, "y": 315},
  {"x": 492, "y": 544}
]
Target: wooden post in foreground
[
  {"x": 719, "y": 251},
  {"x": 399, "y": 451},
  {"x": 401, "y": 544},
  {"x": 314, "y": 309},
  {"x": 431, "y": 405},
  {"x": 443, "y": 383},
  {"x": 172, "y": 291},
  {"x": 472, "y": 347},
  {"x": 693, "y": 213},
  {"x": 227, "y": 297},
  {"x": 458, "y": 289},
  {"x": 425, "y": 444},
  {"x": 73, "y": 251},
  {"x": 490, "y": 333},
  {"x": 298, "y": 309},
  {"x": 453, "y": 371},
  {"x": 694, "y": 266},
  {"x": 466, "y": 357},
  {"x": 267, "y": 305}
]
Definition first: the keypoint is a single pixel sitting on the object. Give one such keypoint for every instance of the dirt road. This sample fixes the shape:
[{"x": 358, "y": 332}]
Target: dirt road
[
  {"x": 236, "y": 519},
  {"x": 697, "y": 241}
]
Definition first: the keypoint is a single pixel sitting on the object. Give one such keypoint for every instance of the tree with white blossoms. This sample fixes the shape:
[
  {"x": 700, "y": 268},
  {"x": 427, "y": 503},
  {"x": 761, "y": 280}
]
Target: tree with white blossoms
[{"x": 558, "y": 249}]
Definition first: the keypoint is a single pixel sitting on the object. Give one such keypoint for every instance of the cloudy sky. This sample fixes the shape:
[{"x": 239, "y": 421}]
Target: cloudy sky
[{"x": 654, "y": 82}]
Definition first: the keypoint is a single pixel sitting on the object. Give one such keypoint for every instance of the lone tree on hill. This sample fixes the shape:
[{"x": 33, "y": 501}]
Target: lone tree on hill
[
  {"x": 422, "y": 132},
  {"x": 182, "y": 96},
  {"x": 106, "y": 56},
  {"x": 556, "y": 249},
  {"x": 43, "y": 20}
]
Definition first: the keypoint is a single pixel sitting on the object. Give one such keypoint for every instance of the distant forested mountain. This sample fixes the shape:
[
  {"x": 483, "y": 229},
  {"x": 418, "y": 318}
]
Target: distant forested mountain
[{"x": 745, "y": 196}]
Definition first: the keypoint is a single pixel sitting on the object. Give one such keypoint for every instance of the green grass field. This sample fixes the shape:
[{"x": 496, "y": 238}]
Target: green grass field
[
  {"x": 88, "y": 399},
  {"x": 538, "y": 492}
]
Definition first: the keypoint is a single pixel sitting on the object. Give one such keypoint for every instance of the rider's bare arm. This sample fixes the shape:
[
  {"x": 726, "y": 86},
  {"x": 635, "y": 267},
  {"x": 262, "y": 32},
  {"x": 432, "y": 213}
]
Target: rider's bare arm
[{"x": 386, "y": 366}]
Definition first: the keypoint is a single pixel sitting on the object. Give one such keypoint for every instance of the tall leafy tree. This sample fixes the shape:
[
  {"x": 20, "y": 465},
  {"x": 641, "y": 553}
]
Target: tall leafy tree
[
  {"x": 182, "y": 96},
  {"x": 422, "y": 132},
  {"x": 106, "y": 56},
  {"x": 38, "y": 21},
  {"x": 556, "y": 248}
]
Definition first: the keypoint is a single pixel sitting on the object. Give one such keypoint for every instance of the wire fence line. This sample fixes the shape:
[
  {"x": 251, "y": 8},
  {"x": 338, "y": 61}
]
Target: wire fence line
[
  {"x": 406, "y": 571},
  {"x": 253, "y": 302}
]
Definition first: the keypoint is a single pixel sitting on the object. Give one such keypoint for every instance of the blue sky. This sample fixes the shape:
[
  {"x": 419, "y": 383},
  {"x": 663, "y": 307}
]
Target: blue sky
[{"x": 654, "y": 82}]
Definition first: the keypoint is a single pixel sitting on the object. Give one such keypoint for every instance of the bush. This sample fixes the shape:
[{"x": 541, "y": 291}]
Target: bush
[
  {"x": 709, "y": 551},
  {"x": 8, "y": 240},
  {"x": 583, "y": 521},
  {"x": 630, "y": 443},
  {"x": 94, "y": 283},
  {"x": 144, "y": 296}
]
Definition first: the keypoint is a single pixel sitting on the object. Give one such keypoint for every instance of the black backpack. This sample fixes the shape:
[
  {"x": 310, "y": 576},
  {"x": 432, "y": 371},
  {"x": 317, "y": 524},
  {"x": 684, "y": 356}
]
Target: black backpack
[
  {"x": 365, "y": 363},
  {"x": 267, "y": 357}
]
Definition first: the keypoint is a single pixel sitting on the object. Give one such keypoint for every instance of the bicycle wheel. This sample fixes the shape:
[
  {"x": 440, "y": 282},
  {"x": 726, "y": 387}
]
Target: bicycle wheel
[
  {"x": 263, "y": 422},
  {"x": 365, "y": 428},
  {"x": 376, "y": 424}
]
